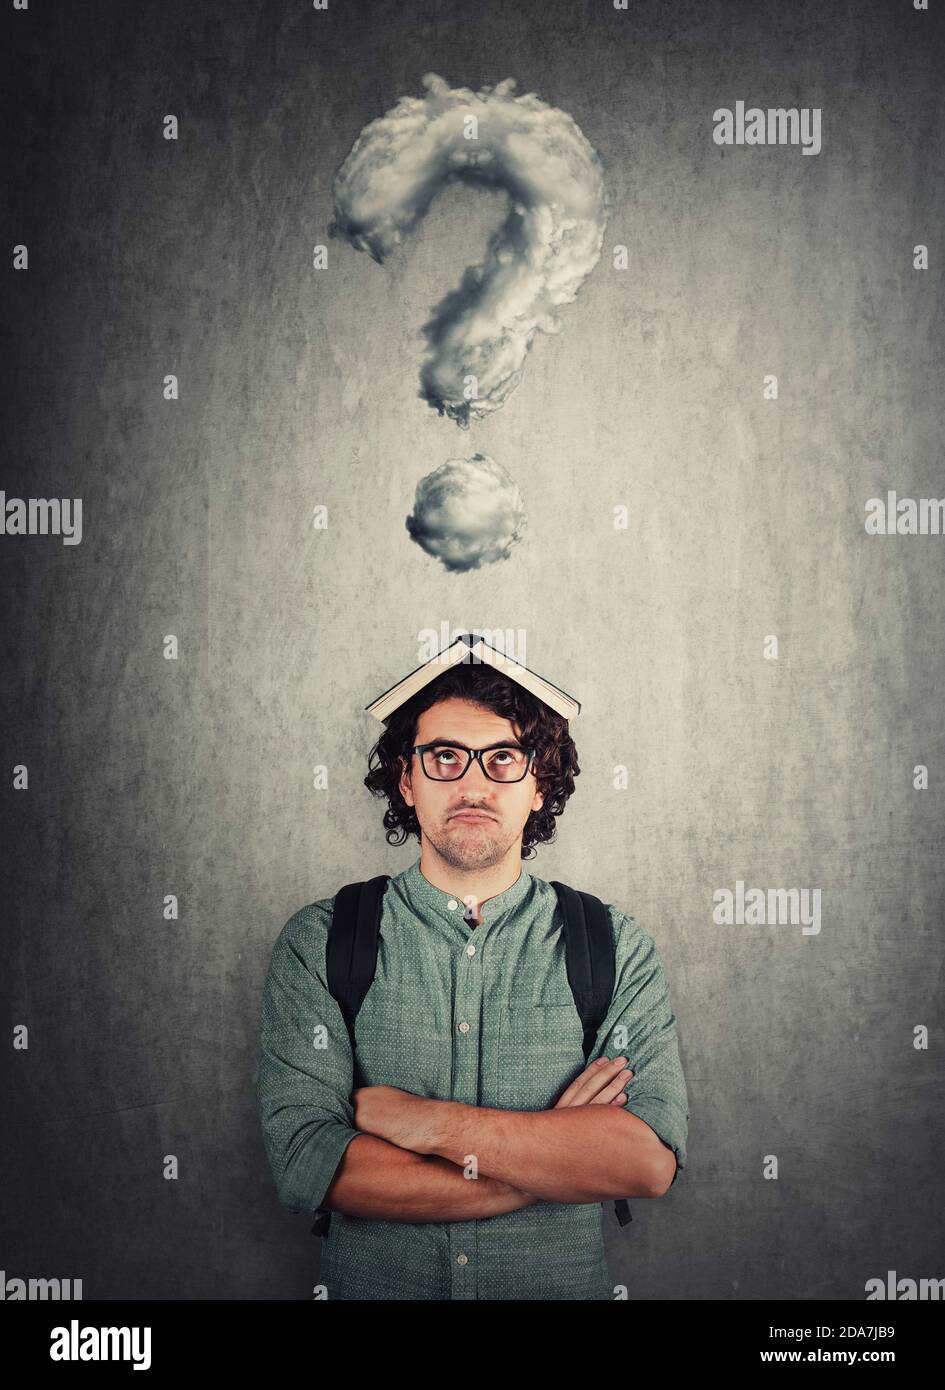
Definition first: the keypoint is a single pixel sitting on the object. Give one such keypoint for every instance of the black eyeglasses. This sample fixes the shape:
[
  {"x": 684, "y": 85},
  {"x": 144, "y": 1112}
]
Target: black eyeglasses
[{"x": 507, "y": 761}]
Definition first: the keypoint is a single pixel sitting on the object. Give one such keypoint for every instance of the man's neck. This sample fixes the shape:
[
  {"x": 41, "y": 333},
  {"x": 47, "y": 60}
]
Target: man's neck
[{"x": 481, "y": 884}]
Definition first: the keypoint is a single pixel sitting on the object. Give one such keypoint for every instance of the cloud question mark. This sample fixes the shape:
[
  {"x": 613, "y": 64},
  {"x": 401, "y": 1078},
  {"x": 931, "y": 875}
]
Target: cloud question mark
[{"x": 478, "y": 336}]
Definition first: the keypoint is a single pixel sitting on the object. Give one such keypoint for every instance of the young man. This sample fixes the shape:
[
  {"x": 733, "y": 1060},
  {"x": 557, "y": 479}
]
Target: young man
[{"x": 472, "y": 1162}]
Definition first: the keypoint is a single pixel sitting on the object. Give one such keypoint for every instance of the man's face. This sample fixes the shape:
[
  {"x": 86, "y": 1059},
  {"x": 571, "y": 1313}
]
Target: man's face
[{"x": 468, "y": 844}]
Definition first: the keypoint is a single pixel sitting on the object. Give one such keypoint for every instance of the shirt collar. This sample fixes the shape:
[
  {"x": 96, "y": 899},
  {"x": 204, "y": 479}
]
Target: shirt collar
[{"x": 425, "y": 897}]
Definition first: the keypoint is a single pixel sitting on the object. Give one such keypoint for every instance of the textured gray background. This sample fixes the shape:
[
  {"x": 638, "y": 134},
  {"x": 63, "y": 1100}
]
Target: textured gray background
[{"x": 149, "y": 777}]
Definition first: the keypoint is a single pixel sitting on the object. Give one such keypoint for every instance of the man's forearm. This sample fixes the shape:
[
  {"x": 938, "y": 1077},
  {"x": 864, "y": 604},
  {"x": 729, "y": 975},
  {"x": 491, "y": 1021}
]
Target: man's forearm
[
  {"x": 383, "y": 1182},
  {"x": 584, "y": 1153}
]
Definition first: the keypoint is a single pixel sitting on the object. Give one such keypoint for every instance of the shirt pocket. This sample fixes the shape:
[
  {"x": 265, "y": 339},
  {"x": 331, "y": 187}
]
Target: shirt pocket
[{"x": 541, "y": 1050}]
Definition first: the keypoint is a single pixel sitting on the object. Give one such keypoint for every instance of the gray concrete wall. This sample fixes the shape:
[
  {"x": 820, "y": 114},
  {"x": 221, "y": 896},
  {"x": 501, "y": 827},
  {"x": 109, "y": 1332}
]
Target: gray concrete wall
[{"x": 193, "y": 777}]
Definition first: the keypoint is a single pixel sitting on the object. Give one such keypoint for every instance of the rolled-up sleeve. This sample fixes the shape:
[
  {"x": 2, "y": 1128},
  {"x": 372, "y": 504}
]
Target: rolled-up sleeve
[
  {"x": 641, "y": 1026},
  {"x": 304, "y": 1077}
]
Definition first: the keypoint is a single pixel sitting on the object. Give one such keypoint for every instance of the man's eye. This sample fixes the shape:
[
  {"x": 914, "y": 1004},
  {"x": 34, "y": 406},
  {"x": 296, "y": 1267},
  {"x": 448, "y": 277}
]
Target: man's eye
[{"x": 443, "y": 753}]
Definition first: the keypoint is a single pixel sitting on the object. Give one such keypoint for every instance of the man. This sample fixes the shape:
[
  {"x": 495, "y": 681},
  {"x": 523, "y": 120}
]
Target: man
[{"x": 473, "y": 1162}]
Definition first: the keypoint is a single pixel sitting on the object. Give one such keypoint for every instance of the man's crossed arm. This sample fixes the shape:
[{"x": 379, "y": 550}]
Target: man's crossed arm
[{"x": 411, "y": 1160}]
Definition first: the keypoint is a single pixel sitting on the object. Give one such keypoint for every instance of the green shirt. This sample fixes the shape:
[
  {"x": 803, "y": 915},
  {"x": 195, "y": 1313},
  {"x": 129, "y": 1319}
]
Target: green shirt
[{"x": 482, "y": 1015}]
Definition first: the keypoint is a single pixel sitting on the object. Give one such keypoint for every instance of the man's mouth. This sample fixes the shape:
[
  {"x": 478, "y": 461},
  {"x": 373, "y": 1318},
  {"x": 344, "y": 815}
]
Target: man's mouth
[{"x": 471, "y": 816}]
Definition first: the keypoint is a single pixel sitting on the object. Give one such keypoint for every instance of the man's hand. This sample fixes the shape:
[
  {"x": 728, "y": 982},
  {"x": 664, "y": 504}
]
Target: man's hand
[
  {"x": 601, "y": 1083},
  {"x": 409, "y": 1121},
  {"x": 397, "y": 1116},
  {"x": 416, "y": 1122}
]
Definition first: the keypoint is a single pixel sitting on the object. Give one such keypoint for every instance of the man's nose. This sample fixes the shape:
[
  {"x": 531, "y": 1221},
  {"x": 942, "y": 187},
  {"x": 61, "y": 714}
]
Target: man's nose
[{"x": 475, "y": 771}]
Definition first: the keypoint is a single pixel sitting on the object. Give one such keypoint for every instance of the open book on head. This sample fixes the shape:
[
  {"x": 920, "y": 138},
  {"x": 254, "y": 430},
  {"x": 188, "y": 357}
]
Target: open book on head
[{"x": 470, "y": 647}]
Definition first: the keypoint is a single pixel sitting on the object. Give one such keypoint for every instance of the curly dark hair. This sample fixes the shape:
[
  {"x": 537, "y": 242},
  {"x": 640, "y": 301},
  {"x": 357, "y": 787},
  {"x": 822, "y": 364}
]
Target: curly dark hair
[{"x": 537, "y": 726}]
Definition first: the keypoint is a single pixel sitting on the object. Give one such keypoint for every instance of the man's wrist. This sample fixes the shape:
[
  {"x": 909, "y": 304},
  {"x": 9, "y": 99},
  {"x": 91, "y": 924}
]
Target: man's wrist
[
  {"x": 438, "y": 1132},
  {"x": 446, "y": 1133}
]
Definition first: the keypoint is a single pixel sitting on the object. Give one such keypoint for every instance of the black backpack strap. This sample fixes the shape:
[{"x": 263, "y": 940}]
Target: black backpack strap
[
  {"x": 589, "y": 956},
  {"x": 350, "y": 963},
  {"x": 351, "y": 951}
]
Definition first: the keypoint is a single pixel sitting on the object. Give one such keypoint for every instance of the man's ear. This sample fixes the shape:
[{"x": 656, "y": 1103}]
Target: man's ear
[{"x": 406, "y": 789}]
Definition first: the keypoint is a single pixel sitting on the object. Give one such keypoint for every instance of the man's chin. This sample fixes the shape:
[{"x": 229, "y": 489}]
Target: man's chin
[{"x": 476, "y": 850}]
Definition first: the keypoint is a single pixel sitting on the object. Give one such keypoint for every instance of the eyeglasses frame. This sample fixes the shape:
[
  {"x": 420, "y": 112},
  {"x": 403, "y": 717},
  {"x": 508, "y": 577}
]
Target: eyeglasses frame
[{"x": 421, "y": 748}]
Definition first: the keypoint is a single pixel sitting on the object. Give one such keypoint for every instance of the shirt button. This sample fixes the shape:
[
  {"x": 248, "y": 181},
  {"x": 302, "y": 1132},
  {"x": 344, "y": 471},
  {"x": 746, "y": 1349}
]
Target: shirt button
[
  {"x": 464, "y": 1027},
  {"x": 470, "y": 950},
  {"x": 452, "y": 904},
  {"x": 462, "y": 1259}
]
